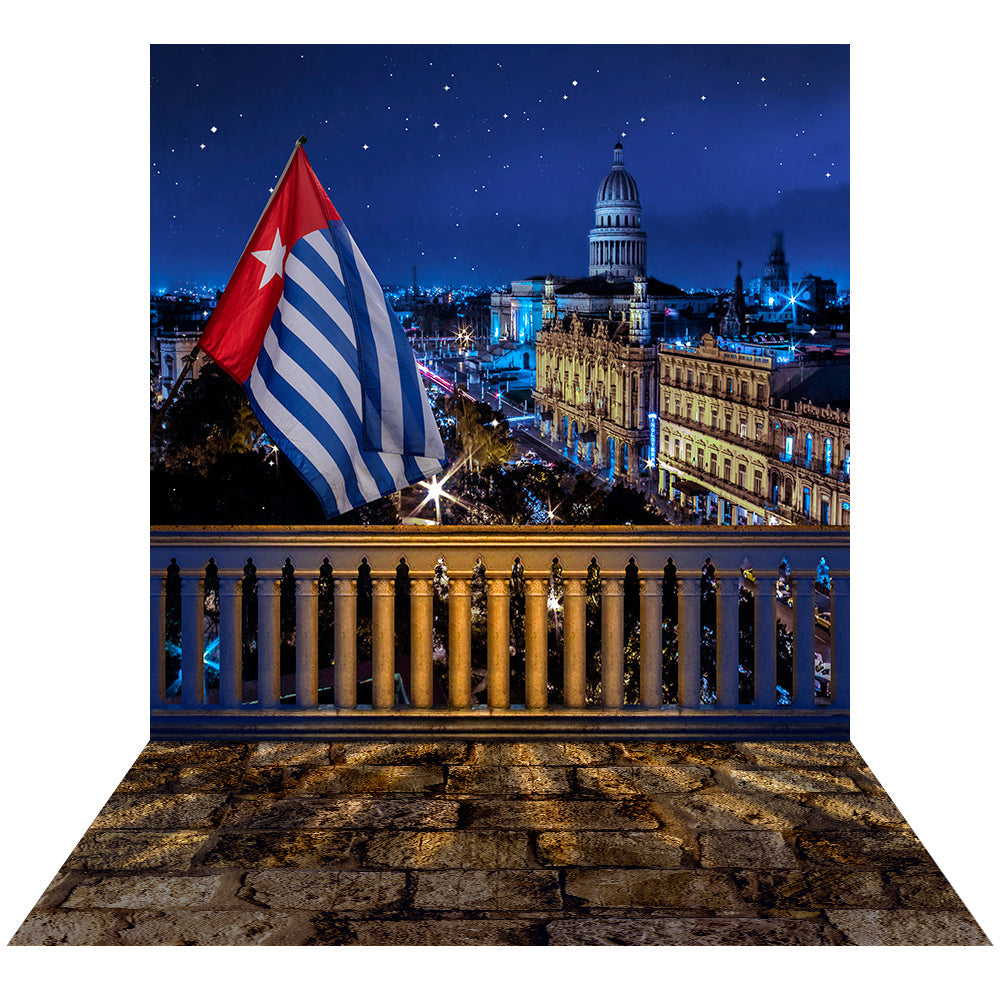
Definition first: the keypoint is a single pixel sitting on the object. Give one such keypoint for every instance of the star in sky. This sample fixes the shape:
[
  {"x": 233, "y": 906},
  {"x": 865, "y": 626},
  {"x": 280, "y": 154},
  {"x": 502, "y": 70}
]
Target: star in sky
[{"x": 273, "y": 259}]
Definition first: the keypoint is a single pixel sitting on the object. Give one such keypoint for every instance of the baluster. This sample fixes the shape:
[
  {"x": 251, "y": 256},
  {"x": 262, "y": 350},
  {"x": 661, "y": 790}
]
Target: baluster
[
  {"x": 192, "y": 640},
  {"x": 840, "y": 640},
  {"x": 689, "y": 638},
  {"x": 421, "y": 640},
  {"x": 727, "y": 640},
  {"x": 268, "y": 641},
  {"x": 306, "y": 643},
  {"x": 498, "y": 642},
  {"x": 230, "y": 643},
  {"x": 383, "y": 643},
  {"x": 536, "y": 637},
  {"x": 459, "y": 642},
  {"x": 345, "y": 641},
  {"x": 651, "y": 640},
  {"x": 574, "y": 642},
  {"x": 612, "y": 641},
  {"x": 765, "y": 647},
  {"x": 803, "y": 643},
  {"x": 157, "y": 641}
]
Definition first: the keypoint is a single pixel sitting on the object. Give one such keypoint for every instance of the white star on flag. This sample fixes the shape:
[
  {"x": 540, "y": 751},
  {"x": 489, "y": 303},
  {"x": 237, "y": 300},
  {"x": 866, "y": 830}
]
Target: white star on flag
[{"x": 273, "y": 259}]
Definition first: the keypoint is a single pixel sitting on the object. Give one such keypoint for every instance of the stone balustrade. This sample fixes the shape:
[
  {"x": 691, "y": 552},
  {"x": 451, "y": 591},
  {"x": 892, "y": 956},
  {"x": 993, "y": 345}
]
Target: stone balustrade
[{"x": 444, "y": 683}]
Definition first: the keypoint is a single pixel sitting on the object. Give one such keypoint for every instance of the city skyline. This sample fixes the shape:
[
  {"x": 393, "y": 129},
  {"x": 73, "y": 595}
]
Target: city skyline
[{"x": 480, "y": 164}]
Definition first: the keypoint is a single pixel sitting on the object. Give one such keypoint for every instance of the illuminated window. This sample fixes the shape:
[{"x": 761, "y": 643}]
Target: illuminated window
[
  {"x": 806, "y": 500},
  {"x": 789, "y": 446},
  {"x": 847, "y": 464},
  {"x": 809, "y": 448},
  {"x": 828, "y": 455}
]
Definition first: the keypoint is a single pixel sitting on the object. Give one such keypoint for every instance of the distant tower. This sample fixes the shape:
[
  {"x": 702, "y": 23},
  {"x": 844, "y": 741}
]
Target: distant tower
[
  {"x": 774, "y": 286},
  {"x": 549, "y": 302},
  {"x": 617, "y": 241},
  {"x": 729, "y": 327},
  {"x": 638, "y": 327}
]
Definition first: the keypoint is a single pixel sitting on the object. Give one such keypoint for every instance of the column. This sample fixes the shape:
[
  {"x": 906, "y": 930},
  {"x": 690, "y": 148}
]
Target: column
[
  {"x": 268, "y": 642},
  {"x": 840, "y": 640},
  {"x": 230, "y": 643},
  {"x": 345, "y": 642},
  {"x": 536, "y": 642},
  {"x": 727, "y": 639},
  {"x": 651, "y": 640},
  {"x": 306, "y": 643},
  {"x": 764, "y": 641},
  {"x": 612, "y": 641},
  {"x": 688, "y": 638},
  {"x": 574, "y": 642},
  {"x": 192, "y": 640},
  {"x": 383, "y": 651},
  {"x": 498, "y": 642},
  {"x": 421, "y": 641},
  {"x": 459, "y": 642},
  {"x": 803, "y": 646},
  {"x": 157, "y": 641}
]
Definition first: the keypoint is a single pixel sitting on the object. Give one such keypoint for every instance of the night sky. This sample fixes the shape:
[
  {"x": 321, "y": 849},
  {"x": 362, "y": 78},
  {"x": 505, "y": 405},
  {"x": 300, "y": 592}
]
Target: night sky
[{"x": 480, "y": 164}]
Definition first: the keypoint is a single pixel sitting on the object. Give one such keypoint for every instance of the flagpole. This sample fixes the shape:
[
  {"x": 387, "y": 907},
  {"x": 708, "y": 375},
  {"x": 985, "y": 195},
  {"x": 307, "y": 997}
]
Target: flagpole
[{"x": 162, "y": 412}]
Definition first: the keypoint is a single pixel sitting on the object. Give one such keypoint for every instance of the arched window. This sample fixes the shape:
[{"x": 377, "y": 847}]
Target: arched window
[
  {"x": 828, "y": 455},
  {"x": 168, "y": 366},
  {"x": 806, "y": 500},
  {"x": 809, "y": 448}
]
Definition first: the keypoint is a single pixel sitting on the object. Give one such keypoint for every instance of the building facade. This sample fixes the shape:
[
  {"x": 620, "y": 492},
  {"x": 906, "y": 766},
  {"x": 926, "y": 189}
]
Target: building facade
[{"x": 738, "y": 449}]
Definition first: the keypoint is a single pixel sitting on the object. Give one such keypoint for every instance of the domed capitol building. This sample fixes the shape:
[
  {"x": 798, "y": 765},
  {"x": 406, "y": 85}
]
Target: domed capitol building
[{"x": 633, "y": 381}]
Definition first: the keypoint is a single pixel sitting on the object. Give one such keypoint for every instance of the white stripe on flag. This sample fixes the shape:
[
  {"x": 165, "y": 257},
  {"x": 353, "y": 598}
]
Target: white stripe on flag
[
  {"x": 390, "y": 390},
  {"x": 322, "y": 246},
  {"x": 322, "y": 296},
  {"x": 317, "y": 397}
]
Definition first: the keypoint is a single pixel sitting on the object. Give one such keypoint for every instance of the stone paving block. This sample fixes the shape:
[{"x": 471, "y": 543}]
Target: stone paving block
[
  {"x": 585, "y": 849},
  {"x": 487, "y": 780},
  {"x": 789, "y": 782},
  {"x": 856, "y": 810},
  {"x": 204, "y": 753},
  {"x": 171, "y": 811},
  {"x": 699, "y": 754},
  {"x": 746, "y": 849},
  {"x": 284, "y": 850},
  {"x": 127, "y": 850},
  {"x": 716, "y": 808},
  {"x": 288, "y": 753},
  {"x": 924, "y": 889},
  {"x": 795, "y": 755},
  {"x": 238, "y": 779},
  {"x": 44, "y": 927},
  {"x": 216, "y": 927},
  {"x": 312, "y": 813},
  {"x": 363, "y": 779},
  {"x": 862, "y": 848},
  {"x": 907, "y": 927},
  {"x": 503, "y": 814},
  {"x": 484, "y": 890},
  {"x": 688, "y": 931},
  {"x": 545, "y": 753},
  {"x": 449, "y": 849},
  {"x": 651, "y": 779},
  {"x": 399, "y": 753},
  {"x": 324, "y": 890},
  {"x": 447, "y": 932},
  {"x": 814, "y": 888},
  {"x": 146, "y": 891},
  {"x": 650, "y": 888}
]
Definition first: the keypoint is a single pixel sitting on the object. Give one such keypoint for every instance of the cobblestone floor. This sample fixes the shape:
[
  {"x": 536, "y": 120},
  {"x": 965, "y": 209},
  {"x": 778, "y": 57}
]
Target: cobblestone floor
[{"x": 463, "y": 843}]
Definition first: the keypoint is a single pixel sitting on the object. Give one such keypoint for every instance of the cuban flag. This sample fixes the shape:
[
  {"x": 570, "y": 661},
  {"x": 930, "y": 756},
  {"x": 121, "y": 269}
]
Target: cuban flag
[{"x": 304, "y": 326}]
